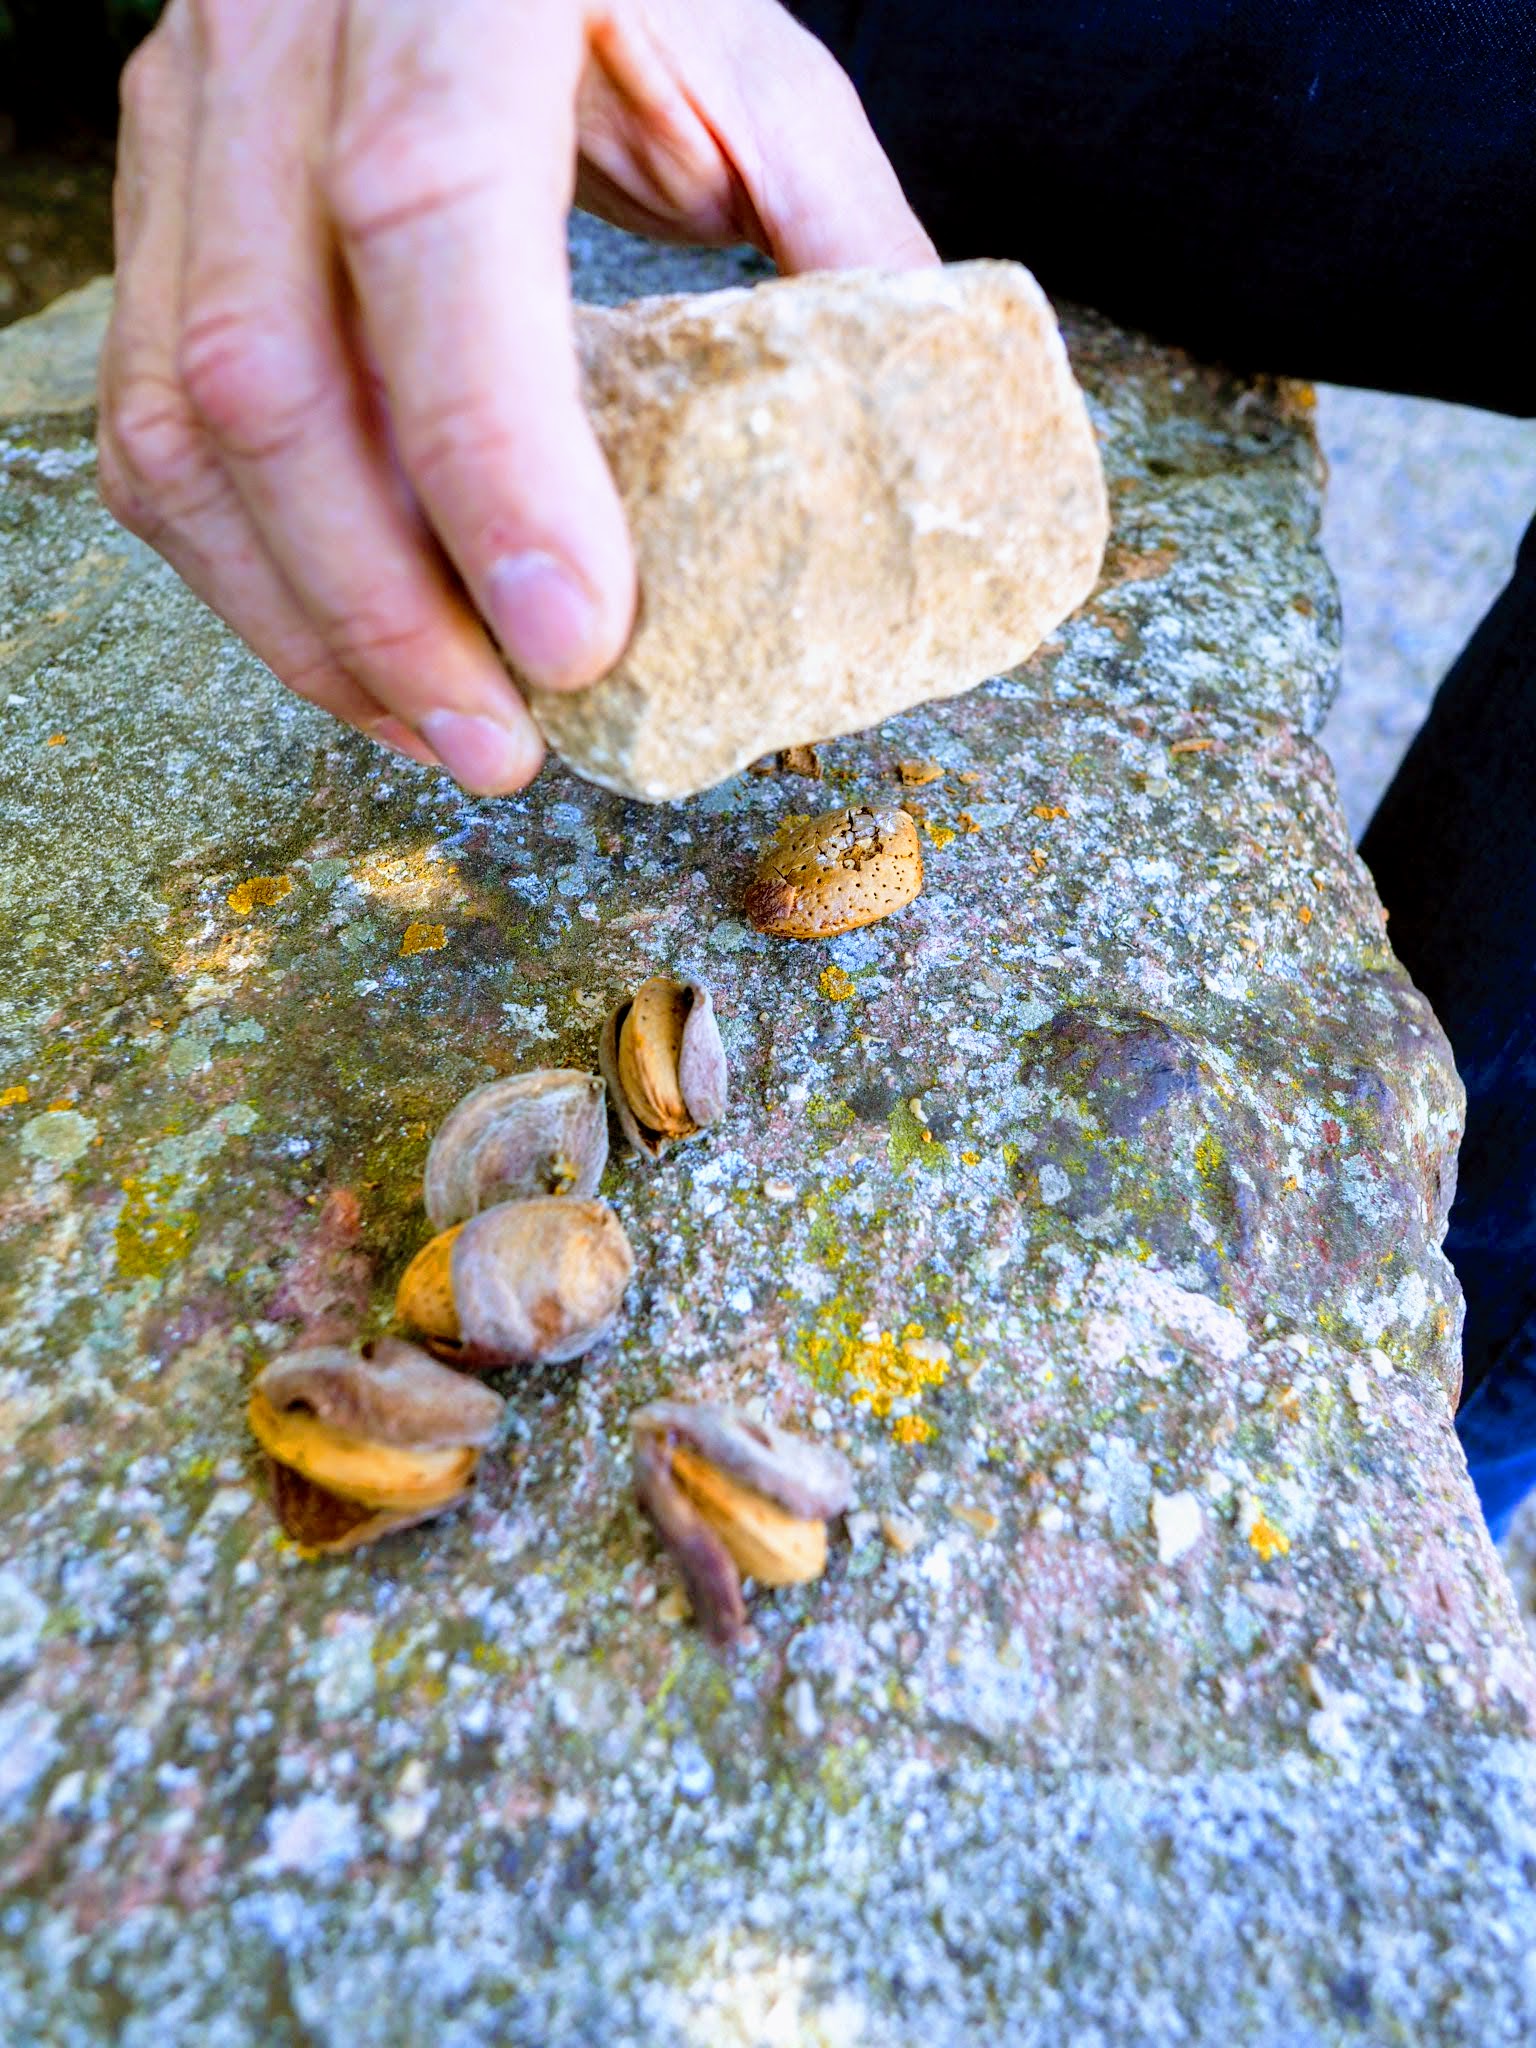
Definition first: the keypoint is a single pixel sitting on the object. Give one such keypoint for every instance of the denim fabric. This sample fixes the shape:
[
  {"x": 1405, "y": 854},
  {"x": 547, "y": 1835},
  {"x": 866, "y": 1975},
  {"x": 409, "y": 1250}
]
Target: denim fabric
[{"x": 1336, "y": 189}]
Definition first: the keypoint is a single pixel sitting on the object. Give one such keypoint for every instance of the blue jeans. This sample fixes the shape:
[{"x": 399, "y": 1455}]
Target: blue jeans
[{"x": 1332, "y": 189}]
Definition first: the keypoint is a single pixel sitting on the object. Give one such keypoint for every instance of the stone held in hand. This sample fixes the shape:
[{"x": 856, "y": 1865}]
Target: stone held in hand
[{"x": 849, "y": 493}]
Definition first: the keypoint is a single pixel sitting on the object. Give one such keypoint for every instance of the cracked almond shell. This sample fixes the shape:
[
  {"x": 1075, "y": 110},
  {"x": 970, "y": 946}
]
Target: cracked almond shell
[
  {"x": 541, "y": 1133},
  {"x": 360, "y": 1444},
  {"x": 832, "y": 874},
  {"x": 664, "y": 1063},
  {"x": 733, "y": 1496},
  {"x": 523, "y": 1283}
]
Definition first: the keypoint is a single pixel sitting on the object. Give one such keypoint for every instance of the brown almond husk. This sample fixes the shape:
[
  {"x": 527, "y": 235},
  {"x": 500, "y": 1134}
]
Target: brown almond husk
[
  {"x": 389, "y": 1393},
  {"x": 701, "y": 1081},
  {"x": 539, "y": 1133},
  {"x": 329, "y": 1526}
]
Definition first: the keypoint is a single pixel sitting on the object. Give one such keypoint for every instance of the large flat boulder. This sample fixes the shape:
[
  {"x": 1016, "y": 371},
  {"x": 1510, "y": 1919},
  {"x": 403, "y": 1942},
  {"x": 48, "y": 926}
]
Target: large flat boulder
[{"x": 1164, "y": 1685}]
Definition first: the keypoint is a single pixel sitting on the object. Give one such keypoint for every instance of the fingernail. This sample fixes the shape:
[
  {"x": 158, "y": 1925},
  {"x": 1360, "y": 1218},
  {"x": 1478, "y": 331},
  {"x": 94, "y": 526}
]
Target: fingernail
[
  {"x": 542, "y": 616},
  {"x": 477, "y": 752},
  {"x": 398, "y": 737}
]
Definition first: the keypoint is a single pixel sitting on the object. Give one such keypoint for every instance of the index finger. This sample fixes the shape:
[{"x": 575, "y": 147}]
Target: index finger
[{"x": 452, "y": 175}]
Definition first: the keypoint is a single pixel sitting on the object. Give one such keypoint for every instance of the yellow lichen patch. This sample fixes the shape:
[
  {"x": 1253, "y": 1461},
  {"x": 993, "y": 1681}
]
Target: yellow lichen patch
[
  {"x": 58, "y": 739},
  {"x": 1267, "y": 1540},
  {"x": 150, "y": 1235},
  {"x": 881, "y": 1372},
  {"x": 835, "y": 985},
  {"x": 264, "y": 890},
  {"x": 10, "y": 1096},
  {"x": 941, "y": 835},
  {"x": 913, "y": 1429},
  {"x": 423, "y": 938},
  {"x": 1049, "y": 811},
  {"x": 1208, "y": 1156}
]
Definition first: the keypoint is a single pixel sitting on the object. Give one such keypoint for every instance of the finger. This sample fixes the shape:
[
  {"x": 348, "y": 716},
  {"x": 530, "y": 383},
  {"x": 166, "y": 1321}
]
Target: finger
[
  {"x": 264, "y": 359},
  {"x": 157, "y": 474},
  {"x": 450, "y": 184},
  {"x": 819, "y": 181}
]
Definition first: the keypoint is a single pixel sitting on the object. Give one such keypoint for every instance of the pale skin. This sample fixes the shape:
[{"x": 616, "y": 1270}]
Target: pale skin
[{"x": 340, "y": 394}]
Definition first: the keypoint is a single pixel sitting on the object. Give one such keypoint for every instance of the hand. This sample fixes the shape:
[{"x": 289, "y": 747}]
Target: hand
[{"x": 340, "y": 392}]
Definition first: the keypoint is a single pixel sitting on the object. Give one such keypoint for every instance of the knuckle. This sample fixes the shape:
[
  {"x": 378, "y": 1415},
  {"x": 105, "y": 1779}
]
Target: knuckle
[
  {"x": 160, "y": 445},
  {"x": 379, "y": 633},
  {"x": 246, "y": 380},
  {"x": 463, "y": 430},
  {"x": 394, "y": 165}
]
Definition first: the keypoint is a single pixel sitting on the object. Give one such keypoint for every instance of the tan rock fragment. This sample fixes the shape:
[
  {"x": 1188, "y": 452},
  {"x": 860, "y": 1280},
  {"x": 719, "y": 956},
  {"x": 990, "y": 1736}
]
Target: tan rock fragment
[{"x": 849, "y": 493}]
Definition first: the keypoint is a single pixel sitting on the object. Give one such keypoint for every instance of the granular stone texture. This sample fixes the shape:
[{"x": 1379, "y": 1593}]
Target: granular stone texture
[
  {"x": 849, "y": 492},
  {"x": 1163, "y": 1685}
]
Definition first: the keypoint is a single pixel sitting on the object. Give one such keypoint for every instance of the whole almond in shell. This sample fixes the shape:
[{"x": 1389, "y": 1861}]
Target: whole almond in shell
[{"x": 822, "y": 876}]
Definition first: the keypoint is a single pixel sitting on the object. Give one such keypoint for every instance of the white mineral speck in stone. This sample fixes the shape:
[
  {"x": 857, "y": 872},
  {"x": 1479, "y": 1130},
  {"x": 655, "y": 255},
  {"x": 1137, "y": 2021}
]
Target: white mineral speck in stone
[
  {"x": 318, "y": 1834},
  {"x": 28, "y": 1745},
  {"x": 341, "y": 1666},
  {"x": 695, "y": 1773},
  {"x": 22, "y": 1616},
  {"x": 1177, "y": 1523},
  {"x": 800, "y": 1706}
]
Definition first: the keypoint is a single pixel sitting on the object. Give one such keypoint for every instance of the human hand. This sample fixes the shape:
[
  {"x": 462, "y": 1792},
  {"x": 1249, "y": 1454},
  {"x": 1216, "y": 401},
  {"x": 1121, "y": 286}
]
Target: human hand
[{"x": 340, "y": 393}]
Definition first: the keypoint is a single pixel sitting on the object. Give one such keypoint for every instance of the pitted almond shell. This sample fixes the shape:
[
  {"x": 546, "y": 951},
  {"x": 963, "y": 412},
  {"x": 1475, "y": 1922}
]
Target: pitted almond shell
[
  {"x": 374, "y": 1475},
  {"x": 524, "y": 1283},
  {"x": 391, "y": 1393},
  {"x": 542, "y": 1133},
  {"x": 767, "y": 1544},
  {"x": 805, "y": 1479},
  {"x": 324, "y": 1524},
  {"x": 662, "y": 1057},
  {"x": 822, "y": 876}
]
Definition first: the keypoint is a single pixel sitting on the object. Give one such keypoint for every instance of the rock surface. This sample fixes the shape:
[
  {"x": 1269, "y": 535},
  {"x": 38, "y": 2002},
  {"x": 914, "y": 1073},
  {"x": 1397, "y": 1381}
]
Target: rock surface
[
  {"x": 1163, "y": 1686},
  {"x": 848, "y": 494}
]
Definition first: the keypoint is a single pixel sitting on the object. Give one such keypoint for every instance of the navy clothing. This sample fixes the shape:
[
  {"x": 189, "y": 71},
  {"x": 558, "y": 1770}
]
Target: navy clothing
[{"x": 1331, "y": 189}]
